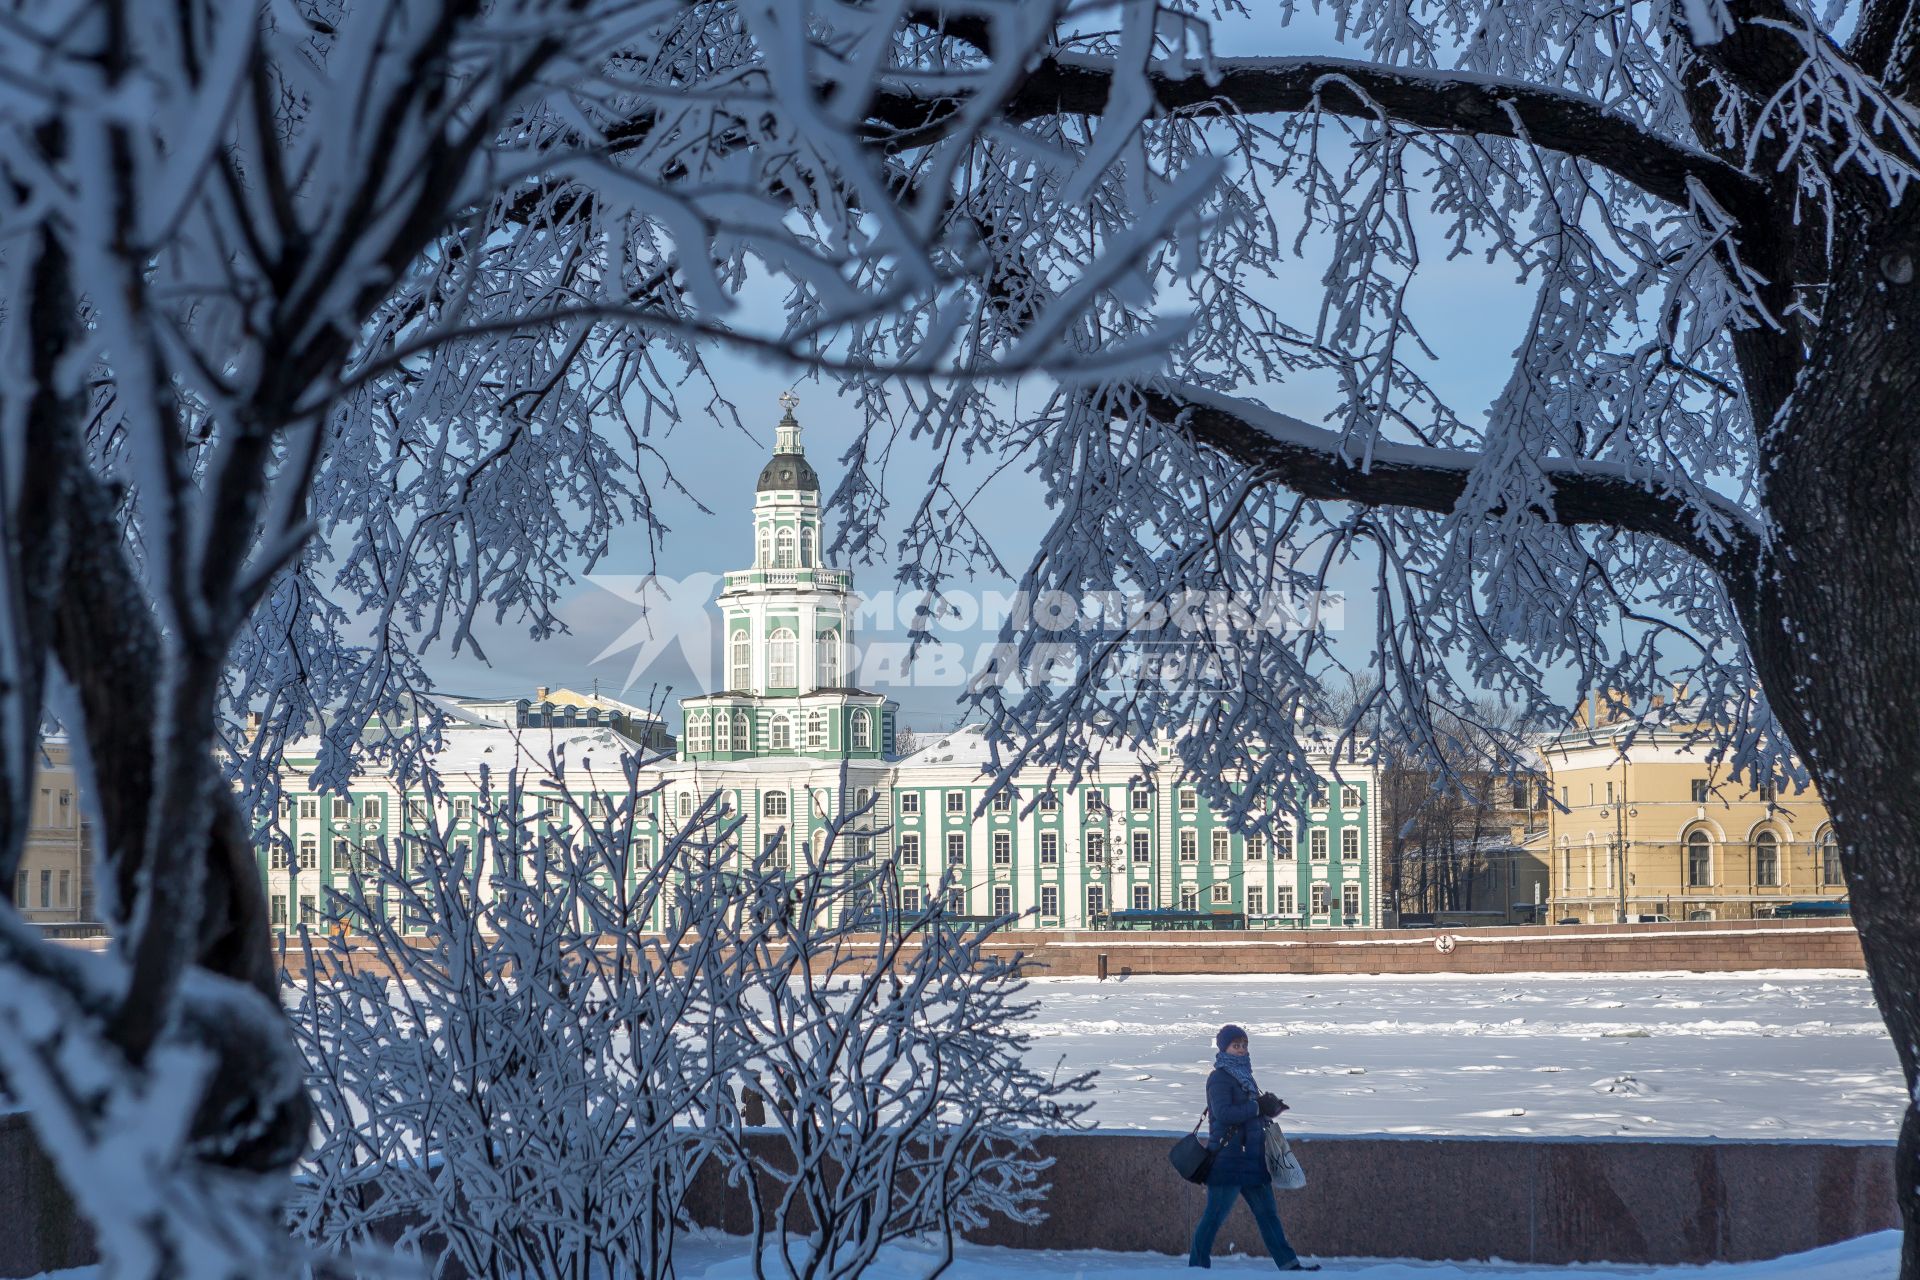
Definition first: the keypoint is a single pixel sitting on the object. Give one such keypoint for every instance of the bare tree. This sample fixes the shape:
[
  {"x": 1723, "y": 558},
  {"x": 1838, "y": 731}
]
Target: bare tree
[
  {"x": 544, "y": 1039},
  {"x": 333, "y": 325}
]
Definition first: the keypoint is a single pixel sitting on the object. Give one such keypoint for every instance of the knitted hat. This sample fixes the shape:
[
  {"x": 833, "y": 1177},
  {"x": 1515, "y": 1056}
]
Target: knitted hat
[{"x": 1227, "y": 1035}]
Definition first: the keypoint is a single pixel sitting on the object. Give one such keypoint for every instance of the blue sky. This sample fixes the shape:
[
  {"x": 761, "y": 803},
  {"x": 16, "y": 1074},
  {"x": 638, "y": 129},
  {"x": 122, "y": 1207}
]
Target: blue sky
[{"x": 1473, "y": 314}]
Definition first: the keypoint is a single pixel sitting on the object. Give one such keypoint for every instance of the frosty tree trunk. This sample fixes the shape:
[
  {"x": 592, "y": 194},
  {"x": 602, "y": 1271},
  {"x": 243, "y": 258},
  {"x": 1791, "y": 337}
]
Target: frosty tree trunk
[{"x": 1835, "y": 623}]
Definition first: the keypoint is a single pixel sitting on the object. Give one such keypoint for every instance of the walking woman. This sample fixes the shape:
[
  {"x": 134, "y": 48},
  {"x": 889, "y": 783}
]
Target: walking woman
[{"x": 1237, "y": 1114}]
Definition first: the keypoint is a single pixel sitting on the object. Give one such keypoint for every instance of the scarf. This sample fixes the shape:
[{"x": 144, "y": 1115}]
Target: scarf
[{"x": 1240, "y": 1067}]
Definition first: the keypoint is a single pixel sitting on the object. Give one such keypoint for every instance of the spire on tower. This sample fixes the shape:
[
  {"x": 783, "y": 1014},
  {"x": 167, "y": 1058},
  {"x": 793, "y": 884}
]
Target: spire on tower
[{"x": 786, "y": 436}]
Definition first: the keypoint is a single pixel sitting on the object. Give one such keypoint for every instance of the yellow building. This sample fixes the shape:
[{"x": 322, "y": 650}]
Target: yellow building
[
  {"x": 52, "y": 887},
  {"x": 1651, "y": 829}
]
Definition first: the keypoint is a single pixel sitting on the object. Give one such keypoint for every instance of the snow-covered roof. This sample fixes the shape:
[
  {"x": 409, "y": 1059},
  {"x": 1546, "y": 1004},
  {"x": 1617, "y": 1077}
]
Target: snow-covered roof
[
  {"x": 967, "y": 746},
  {"x": 466, "y": 748}
]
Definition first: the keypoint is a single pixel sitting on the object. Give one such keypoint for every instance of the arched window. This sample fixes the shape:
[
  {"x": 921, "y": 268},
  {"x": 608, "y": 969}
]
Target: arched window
[
  {"x": 742, "y": 661},
  {"x": 780, "y": 736},
  {"x": 766, "y": 548},
  {"x": 741, "y": 736},
  {"x": 862, "y": 731},
  {"x": 686, "y": 804},
  {"x": 826, "y": 660},
  {"x": 1830, "y": 858},
  {"x": 806, "y": 546},
  {"x": 697, "y": 733},
  {"x": 816, "y": 729},
  {"x": 783, "y": 556},
  {"x": 1766, "y": 858},
  {"x": 783, "y": 659},
  {"x": 722, "y": 732},
  {"x": 1699, "y": 860}
]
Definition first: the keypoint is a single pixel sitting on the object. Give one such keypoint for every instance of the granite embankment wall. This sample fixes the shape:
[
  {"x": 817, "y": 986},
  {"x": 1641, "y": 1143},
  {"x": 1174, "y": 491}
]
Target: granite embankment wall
[
  {"x": 1530, "y": 1200},
  {"x": 1708, "y": 946},
  {"x": 1703, "y": 946}
]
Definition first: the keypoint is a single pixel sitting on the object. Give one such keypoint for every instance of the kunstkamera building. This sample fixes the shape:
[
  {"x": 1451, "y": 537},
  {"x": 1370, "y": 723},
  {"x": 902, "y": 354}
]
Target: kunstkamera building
[{"x": 792, "y": 747}]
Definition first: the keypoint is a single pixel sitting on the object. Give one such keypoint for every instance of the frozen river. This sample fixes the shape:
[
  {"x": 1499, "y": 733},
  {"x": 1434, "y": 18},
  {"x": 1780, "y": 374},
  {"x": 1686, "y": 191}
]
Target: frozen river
[{"x": 1786, "y": 1054}]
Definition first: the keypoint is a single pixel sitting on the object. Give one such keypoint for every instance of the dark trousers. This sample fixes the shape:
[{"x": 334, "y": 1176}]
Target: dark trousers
[{"x": 1266, "y": 1215}]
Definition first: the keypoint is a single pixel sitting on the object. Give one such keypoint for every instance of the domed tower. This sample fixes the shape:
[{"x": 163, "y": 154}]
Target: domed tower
[{"x": 788, "y": 634}]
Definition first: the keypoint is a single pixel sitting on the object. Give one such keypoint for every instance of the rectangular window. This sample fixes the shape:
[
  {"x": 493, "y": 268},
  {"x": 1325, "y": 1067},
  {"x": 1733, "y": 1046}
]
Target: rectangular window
[
  {"x": 1189, "y": 845},
  {"x": 1256, "y": 900},
  {"x": 1096, "y": 802},
  {"x": 956, "y": 849},
  {"x": 1003, "y": 802},
  {"x": 1349, "y": 844},
  {"x": 1349, "y": 797},
  {"x": 1096, "y": 901},
  {"x": 1049, "y": 848},
  {"x": 1050, "y": 901},
  {"x": 342, "y": 808},
  {"x": 1142, "y": 847},
  {"x": 309, "y": 852},
  {"x": 1609, "y": 791},
  {"x": 1283, "y": 844},
  {"x": 1222, "y": 894},
  {"x": 1350, "y": 902},
  {"x": 1189, "y": 800},
  {"x": 370, "y": 808},
  {"x": 556, "y": 808},
  {"x": 1317, "y": 844},
  {"x": 66, "y": 886},
  {"x": 956, "y": 902},
  {"x": 1766, "y": 793},
  {"x": 1521, "y": 793},
  {"x": 910, "y": 901},
  {"x": 46, "y": 889},
  {"x": 956, "y": 802},
  {"x": 1002, "y": 849},
  {"x": 1319, "y": 903},
  {"x": 910, "y": 850},
  {"x": 20, "y": 889},
  {"x": 1699, "y": 789},
  {"x": 278, "y": 917},
  {"x": 1049, "y": 802},
  {"x": 416, "y": 813},
  {"x": 308, "y": 913},
  {"x": 1256, "y": 847},
  {"x": 1002, "y": 900},
  {"x": 1140, "y": 799},
  {"x": 909, "y": 802},
  {"x": 1563, "y": 797},
  {"x": 1317, "y": 795},
  {"x": 463, "y": 810},
  {"x": 776, "y": 804},
  {"x": 309, "y": 807},
  {"x": 1142, "y": 897},
  {"x": 278, "y": 858},
  {"x": 1283, "y": 901},
  {"x": 1189, "y": 897},
  {"x": 1222, "y": 845}
]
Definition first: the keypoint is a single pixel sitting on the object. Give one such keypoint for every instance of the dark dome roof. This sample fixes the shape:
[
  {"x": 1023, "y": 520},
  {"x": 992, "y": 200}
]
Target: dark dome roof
[{"x": 788, "y": 471}]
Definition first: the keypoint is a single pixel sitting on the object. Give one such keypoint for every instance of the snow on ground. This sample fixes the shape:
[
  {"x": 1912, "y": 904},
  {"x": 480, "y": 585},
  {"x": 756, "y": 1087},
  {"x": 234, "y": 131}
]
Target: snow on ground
[
  {"x": 1875, "y": 1257},
  {"x": 1777, "y": 1054}
]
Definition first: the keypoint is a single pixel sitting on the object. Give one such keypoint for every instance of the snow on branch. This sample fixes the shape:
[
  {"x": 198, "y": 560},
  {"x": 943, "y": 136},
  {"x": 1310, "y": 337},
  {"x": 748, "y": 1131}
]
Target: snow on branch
[{"x": 1318, "y": 463}]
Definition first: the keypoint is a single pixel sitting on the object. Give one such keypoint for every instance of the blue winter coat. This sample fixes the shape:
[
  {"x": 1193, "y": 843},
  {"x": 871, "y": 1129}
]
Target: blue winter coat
[{"x": 1236, "y": 1133}]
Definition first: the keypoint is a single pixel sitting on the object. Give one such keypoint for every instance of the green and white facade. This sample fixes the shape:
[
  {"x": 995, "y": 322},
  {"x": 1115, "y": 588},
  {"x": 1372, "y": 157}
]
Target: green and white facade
[{"x": 793, "y": 745}]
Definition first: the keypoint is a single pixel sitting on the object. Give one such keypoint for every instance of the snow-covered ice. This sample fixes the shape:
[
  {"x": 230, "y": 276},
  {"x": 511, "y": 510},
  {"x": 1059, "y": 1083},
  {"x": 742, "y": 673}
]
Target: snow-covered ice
[{"x": 1778, "y": 1054}]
